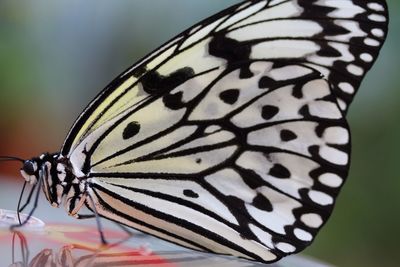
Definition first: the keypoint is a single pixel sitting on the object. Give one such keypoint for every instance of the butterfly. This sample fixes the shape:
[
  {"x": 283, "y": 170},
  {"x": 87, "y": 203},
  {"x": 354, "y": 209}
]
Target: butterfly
[{"x": 231, "y": 138}]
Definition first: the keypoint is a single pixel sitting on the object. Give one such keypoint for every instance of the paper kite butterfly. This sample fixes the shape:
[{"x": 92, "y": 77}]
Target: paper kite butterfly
[{"x": 230, "y": 138}]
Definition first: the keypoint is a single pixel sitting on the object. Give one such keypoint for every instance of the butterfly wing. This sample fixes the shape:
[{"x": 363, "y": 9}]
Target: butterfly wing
[
  {"x": 250, "y": 170},
  {"x": 341, "y": 39},
  {"x": 231, "y": 138}
]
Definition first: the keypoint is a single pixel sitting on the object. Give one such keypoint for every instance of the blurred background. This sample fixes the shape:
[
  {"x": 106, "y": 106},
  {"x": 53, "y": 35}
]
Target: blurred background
[{"x": 55, "y": 56}]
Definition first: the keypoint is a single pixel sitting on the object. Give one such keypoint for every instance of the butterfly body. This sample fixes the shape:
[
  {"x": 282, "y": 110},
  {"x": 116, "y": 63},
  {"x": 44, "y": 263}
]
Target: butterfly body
[
  {"x": 231, "y": 138},
  {"x": 58, "y": 180}
]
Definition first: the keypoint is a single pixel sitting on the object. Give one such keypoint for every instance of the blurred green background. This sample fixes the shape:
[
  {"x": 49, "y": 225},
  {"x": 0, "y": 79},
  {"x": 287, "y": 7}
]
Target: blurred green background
[{"x": 55, "y": 56}]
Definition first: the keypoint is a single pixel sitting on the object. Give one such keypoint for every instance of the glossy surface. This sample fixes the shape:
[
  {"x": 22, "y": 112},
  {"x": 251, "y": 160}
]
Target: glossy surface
[
  {"x": 9, "y": 217},
  {"x": 53, "y": 237},
  {"x": 74, "y": 245}
]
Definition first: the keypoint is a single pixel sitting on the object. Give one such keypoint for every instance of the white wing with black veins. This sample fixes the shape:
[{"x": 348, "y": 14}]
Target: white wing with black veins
[{"x": 231, "y": 138}]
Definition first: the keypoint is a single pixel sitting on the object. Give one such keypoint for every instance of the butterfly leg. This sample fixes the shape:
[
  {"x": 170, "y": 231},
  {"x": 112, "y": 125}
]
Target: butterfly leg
[
  {"x": 84, "y": 216},
  {"x": 75, "y": 199},
  {"x": 125, "y": 229},
  {"x": 35, "y": 204},
  {"x": 28, "y": 200},
  {"x": 98, "y": 222},
  {"x": 91, "y": 216}
]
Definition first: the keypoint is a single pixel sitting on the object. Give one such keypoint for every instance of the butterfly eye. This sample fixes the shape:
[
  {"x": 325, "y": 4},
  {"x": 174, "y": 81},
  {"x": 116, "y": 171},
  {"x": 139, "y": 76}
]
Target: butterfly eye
[{"x": 29, "y": 167}]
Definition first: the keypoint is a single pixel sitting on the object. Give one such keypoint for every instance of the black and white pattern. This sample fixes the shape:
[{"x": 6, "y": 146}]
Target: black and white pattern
[
  {"x": 245, "y": 171},
  {"x": 231, "y": 138}
]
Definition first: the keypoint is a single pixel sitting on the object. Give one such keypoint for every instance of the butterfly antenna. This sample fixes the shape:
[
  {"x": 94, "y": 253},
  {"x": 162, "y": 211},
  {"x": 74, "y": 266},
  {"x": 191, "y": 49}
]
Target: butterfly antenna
[{"x": 10, "y": 158}]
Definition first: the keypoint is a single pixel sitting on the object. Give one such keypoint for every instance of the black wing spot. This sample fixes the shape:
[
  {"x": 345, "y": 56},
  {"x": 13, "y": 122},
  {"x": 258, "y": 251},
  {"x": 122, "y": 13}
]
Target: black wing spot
[
  {"x": 268, "y": 112},
  {"x": 267, "y": 83},
  {"x": 190, "y": 193},
  {"x": 262, "y": 203},
  {"x": 139, "y": 71},
  {"x": 131, "y": 130},
  {"x": 229, "y": 96},
  {"x": 287, "y": 135},
  {"x": 198, "y": 161},
  {"x": 279, "y": 171},
  {"x": 233, "y": 51},
  {"x": 304, "y": 111},
  {"x": 155, "y": 83},
  {"x": 173, "y": 101}
]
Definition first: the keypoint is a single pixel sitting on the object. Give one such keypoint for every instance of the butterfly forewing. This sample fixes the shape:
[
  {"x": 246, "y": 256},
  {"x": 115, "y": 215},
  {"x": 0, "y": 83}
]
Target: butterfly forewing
[
  {"x": 231, "y": 138},
  {"x": 341, "y": 39}
]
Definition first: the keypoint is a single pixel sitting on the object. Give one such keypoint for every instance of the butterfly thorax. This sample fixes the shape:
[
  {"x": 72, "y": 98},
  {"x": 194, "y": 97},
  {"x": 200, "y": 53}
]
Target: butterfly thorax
[{"x": 54, "y": 173}]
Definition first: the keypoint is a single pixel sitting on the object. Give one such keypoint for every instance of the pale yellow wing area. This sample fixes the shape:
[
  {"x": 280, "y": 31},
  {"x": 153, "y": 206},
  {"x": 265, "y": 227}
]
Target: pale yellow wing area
[
  {"x": 321, "y": 35},
  {"x": 187, "y": 49}
]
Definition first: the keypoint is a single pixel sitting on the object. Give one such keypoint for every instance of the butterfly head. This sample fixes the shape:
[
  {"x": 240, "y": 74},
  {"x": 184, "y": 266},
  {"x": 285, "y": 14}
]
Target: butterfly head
[
  {"x": 29, "y": 171},
  {"x": 49, "y": 172}
]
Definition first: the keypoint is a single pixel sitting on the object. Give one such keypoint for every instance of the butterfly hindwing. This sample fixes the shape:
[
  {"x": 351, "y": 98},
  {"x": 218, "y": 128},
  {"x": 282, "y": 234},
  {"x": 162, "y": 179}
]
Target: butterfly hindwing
[{"x": 244, "y": 165}]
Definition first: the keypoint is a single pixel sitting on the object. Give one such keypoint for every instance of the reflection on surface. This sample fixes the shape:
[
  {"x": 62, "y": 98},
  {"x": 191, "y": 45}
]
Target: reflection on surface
[
  {"x": 9, "y": 217},
  {"x": 72, "y": 245}
]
